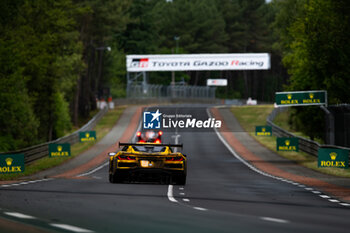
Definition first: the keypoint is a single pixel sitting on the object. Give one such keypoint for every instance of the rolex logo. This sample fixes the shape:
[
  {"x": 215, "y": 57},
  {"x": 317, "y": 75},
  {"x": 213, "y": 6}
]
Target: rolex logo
[
  {"x": 289, "y": 96},
  {"x": 59, "y": 148},
  {"x": 263, "y": 129},
  {"x": 9, "y": 161},
  {"x": 311, "y": 95},
  {"x": 333, "y": 155},
  {"x": 87, "y": 135},
  {"x": 287, "y": 142}
]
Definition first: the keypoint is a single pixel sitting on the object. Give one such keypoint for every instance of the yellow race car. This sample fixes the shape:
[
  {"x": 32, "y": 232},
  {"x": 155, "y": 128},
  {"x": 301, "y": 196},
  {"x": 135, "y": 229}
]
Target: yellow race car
[{"x": 148, "y": 161}]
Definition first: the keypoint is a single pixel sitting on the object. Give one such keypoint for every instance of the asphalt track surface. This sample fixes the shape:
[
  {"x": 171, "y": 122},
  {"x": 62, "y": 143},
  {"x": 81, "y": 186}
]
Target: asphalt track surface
[{"x": 221, "y": 195}]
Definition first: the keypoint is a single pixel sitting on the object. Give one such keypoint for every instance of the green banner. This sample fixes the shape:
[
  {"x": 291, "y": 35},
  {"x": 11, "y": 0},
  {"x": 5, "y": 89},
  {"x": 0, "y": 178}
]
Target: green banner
[
  {"x": 11, "y": 163},
  {"x": 59, "y": 150},
  {"x": 329, "y": 157},
  {"x": 263, "y": 130},
  {"x": 87, "y": 136},
  {"x": 287, "y": 144},
  {"x": 298, "y": 98}
]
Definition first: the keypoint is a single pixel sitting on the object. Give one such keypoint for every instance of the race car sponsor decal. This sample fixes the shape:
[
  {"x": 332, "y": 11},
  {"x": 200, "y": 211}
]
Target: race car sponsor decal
[
  {"x": 11, "y": 163},
  {"x": 59, "y": 150},
  {"x": 331, "y": 157}
]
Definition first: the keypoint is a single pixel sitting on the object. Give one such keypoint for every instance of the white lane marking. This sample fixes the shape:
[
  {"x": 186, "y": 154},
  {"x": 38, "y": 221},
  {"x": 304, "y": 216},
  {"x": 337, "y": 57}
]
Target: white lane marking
[
  {"x": 186, "y": 200},
  {"x": 23, "y": 183},
  {"x": 181, "y": 188},
  {"x": 70, "y": 228},
  {"x": 236, "y": 155},
  {"x": 333, "y": 200},
  {"x": 324, "y": 196},
  {"x": 97, "y": 177},
  {"x": 251, "y": 166},
  {"x": 176, "y": 136},
  {"x": 32, "y": 181},
  {"x": 182, "y": 194},
  {"x": 170, "y": 193},
  {"x": 171, "y": 187},
  {"x": 278, "y": 220},
  {"x": 200, "y": 208},
  {"x": 344, "y": 204},
  {"x": 93, "y": 170},
  {"x": 19, "y": 215}
]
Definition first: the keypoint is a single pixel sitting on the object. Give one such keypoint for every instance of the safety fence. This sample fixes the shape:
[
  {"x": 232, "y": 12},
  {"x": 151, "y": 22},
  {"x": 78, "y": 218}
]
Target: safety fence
[
  {"x": 306, "y": 145},
  {"x": 36, "y": 152},
  {"x": 176, "y": 91}
]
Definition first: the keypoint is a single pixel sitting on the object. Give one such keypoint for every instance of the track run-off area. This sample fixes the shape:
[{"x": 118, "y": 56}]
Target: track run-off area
[{"x": 225, "y": 192}]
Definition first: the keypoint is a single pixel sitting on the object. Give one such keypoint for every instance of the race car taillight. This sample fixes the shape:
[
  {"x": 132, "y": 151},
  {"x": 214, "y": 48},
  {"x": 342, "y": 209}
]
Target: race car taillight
[
  {"x": 141, "y": 141},
  {"x": 126, "y": 157},
  {"x": 157, "y": 141},
  {"x": 160, "y": 133},
  {"x": 178, "y": 158},
  {"x": 138, "y": 134}
]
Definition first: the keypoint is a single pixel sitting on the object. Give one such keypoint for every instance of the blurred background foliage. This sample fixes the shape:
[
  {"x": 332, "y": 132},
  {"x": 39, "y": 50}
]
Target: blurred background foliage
[{"x": 54, "y": 60}]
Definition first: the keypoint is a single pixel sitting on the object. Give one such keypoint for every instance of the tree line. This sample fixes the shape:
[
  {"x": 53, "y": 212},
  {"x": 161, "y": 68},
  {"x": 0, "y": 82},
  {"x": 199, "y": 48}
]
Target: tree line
[{"x": 55, "y": 58}]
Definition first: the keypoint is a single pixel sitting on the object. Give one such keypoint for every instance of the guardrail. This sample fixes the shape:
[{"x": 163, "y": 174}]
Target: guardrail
[
  {"x": 306, "y": 145},
  {"x": 42, "y": 150}
]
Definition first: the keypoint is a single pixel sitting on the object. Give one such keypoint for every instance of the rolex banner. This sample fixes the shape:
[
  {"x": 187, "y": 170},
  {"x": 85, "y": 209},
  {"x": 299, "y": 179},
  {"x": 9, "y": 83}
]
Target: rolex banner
[
  {"x": 87, "y": 136},
  {"x": 11, "y": 163},
  {"x": 329, "y": 157},
  {"x": 186, "y": 62},
  {"x": 287, "y": 144},
  {"x": 59, "y": 150},
  {"x": 264, "y": 130},
  {"x": 301, "y": 98}
]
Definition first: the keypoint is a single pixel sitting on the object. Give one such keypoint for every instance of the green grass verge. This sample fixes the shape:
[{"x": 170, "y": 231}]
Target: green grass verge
[
  {"x": 102, "y": 128},
  {"x": 251, "y": 116}
]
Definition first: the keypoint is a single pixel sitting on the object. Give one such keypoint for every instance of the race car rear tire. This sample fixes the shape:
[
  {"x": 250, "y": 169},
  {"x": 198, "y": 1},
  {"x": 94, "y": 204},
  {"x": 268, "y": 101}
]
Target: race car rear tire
[
  {"x": 181, "y": 180},
  {"x": 114, "y": 178}
]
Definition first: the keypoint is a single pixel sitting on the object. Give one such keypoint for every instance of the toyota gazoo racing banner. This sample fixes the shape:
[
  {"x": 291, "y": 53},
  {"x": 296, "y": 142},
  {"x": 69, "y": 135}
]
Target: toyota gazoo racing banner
[{"x": 187, "y": 62}]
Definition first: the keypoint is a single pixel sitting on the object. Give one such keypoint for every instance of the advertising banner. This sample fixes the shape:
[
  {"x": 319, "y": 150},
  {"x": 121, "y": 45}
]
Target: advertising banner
[
  {"x": 11, "y": 163},
  {"x": 263, "y": 130},
  {"x": 59, "y": 150},
  {"x": 300, "y": 98},
  {"x": 329, "y": 157},
  {"x": 87, "y": 136},
  {"x": 216, "y": 82},
  {"x": 287, "y": 144},
  {"x": 188, "y": 62}
]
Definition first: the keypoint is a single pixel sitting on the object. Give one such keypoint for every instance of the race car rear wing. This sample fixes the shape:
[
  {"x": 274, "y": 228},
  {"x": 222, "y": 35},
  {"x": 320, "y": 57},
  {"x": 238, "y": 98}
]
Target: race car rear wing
[{"x": 149, "y": 144}]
